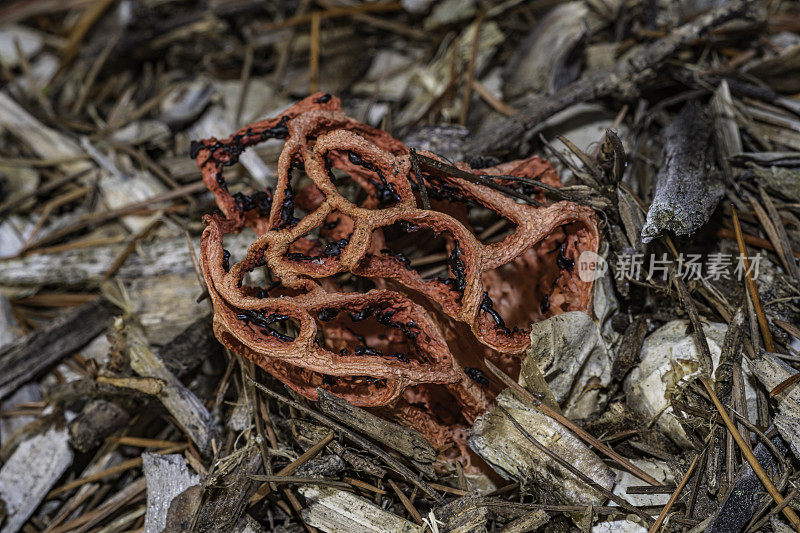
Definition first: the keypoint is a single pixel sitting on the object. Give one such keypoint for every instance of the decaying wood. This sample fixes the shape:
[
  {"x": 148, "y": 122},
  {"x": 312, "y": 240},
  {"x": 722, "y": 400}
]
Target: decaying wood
[
  {"x": 405, "y": 440},
  {"x": 687, "y": 189},
  {"x": 187, "y": 409},
  {"x": 27, "y": 357},
  {"x": 30, "y": 473},
  {"x": 497, "y": 440},
  {"x": 336, "y": 511},
  {"x": 463, "y": 515},
  {"x": 190, "y": 348},
  {"x": 100, "y": 109},
  {"x": 227, "y": 490},
  {"x": 98, "y": 420},
  {"x": 167, "y": 476},
  {"x": 621, "y": 79},
  {"x": 86, "y": 267}
]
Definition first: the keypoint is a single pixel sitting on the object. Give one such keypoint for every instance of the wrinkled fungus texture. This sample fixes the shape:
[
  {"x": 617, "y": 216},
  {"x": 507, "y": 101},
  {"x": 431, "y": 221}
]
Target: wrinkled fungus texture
[{"x": 346, "y": 312}]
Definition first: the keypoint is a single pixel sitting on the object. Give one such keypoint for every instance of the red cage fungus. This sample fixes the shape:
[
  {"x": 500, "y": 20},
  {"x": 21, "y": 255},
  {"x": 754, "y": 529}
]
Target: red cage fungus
[{"x": 347, "y": 310}]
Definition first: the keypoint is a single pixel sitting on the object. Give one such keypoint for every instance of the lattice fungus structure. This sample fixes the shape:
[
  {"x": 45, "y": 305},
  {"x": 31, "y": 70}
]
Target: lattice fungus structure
[{"x": 349, "y": 308}]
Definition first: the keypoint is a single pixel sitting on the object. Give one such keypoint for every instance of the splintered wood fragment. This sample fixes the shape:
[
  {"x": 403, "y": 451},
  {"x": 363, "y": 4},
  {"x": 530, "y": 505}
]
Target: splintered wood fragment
[
  {"x": 569, "y": 424},
  {"x": 529, "y": 522},
  {"x": 629, "y": 351},
  {"x": 337, "y": 511},
  {"x": 30, "y": 472},
  {"x": 405, "y": 440},
  {"x": 463, "y": 515},
  {"x": 751, "y": 284},
  {"x": 45, "y": 142},
  {"x": 98, "y": 419},
  {"x": 29, "y": 356},
  {"x": 167, "y": 476},
  {"x": 187, "y": 409},
  {"x": 227, "y": 489}
]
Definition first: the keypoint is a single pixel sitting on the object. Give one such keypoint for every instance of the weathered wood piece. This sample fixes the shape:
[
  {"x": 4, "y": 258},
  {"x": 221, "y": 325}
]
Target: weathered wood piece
[
  {"x": 167, "y": 476},
  {"x": 513, "y": 457},
  {"x": 181, "y": 403},
  {"x": 623, "y": 79},
  {"x": 85, "y": 267},
  {"x": 687, "y": 187},
  {"x": 771, "y": 371},
  {"x": 337, "y": 511},
  {"x": 45, "y": 142},
  {"x": 189, "y": 348},
  {"x": 464, "y": 515},
  {"x": 27, "y": 357},
  {"x": 30, "y": 473},
  {"x": 227, "y": 490},
  {"x": 529, "y": 522},
  {"x": 98, "y": 420},
  {"x": 405, "y": 440}
]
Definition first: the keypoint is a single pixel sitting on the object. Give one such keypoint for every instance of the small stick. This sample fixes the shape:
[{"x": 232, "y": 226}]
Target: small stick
[
  {"x": 783, "y": 238},
  {"x": 244, "y": 81},
  {"x": 751, "y": 284},
  {"x": 569, "y": 424},
  {"x": 300, "y": 480},
  {"x": 292, "y": 467},
  {"x": 314, "y": 51},
  {"x": 364, "y": 485},
  {"x": 497, "y": 104},
  {"x": 406, "y": 502},
  {"x": 654, "y": 528},
  {"x": 423, "y": 191},
  {"x": 778, "y": 508},
  {"x": 785, "y": 384},
  {"x": 471, "y": 69},
  {"x": 753, "y": 240},
  {"x": 791, "y": 329}
]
